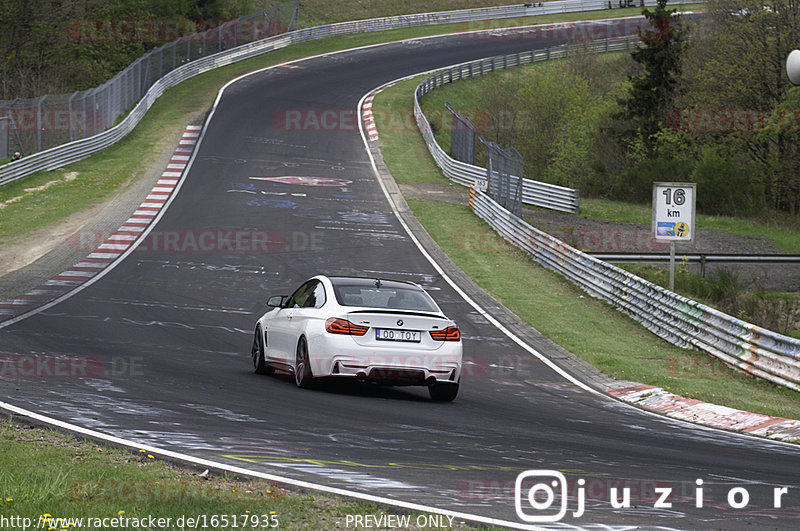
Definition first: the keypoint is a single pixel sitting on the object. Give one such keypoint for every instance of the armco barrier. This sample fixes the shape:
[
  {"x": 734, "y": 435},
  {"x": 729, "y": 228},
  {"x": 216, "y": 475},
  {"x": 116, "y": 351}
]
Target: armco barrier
[
  {"x": 534, "y": 193},
  {"x": 73, "y": 151},
  {"x": 681, "y": 321}
]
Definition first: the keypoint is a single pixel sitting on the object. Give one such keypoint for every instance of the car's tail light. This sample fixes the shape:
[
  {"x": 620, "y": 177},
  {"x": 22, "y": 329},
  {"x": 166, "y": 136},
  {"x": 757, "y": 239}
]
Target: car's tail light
[
  {"x": 336, "y": 325},
  {"x": 451, "y": 333}
]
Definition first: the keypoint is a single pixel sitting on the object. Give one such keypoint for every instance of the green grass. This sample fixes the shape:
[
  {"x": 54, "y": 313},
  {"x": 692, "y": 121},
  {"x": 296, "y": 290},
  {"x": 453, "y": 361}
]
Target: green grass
[
  {"x": 43, "y": 472},
  {"x": 586, "y": 327},
  {"x": 465, "y": 96}
]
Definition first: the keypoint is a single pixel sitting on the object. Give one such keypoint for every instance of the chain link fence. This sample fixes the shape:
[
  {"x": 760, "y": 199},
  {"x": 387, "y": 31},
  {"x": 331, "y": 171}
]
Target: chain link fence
[
  {"x": 40, "y": 123},
  {"x": 536, "y": 193},
  {"x": 462, "y": 137},
  {"x": 504, "y": 170}
]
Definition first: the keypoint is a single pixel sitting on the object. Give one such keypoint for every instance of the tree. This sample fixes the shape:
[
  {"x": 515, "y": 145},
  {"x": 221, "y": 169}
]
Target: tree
[
  {"x": 735, "y": 87},
  {"x": 645, "y": 107},
  {"x": 43, "y": 48}
]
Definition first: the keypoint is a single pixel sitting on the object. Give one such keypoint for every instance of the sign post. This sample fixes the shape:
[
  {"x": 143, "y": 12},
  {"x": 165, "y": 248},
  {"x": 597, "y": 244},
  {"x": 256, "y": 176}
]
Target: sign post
[{"x": 673, "y": 217}]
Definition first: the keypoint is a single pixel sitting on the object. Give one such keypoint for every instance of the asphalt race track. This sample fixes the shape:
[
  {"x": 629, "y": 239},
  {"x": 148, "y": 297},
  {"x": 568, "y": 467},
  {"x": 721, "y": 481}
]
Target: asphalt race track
[{"x": 172, "y": 326}]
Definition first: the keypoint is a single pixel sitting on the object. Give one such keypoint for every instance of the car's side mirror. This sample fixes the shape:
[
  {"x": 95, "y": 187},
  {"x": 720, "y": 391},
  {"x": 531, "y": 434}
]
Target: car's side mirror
[{"x": 276, "y": 301}]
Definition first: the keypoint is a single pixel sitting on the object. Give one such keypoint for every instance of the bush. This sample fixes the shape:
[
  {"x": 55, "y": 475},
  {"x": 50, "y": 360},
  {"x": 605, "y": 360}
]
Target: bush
[
  {"x": 636, "y": 184},
  {"x": 724, "y": 186}
]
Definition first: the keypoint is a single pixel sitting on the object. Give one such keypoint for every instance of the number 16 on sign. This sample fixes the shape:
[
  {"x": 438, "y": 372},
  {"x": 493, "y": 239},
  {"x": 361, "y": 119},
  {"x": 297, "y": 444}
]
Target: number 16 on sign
[{"x": 673, "y": 217}]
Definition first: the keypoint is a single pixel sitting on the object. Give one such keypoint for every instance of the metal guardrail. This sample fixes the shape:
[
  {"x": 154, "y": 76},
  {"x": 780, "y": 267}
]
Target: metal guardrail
[
  {"x": 699, "y": 258},
  {"x": 534, "y": 193},
  {"x": 677, "y": 319},
  {"x": 61, "y": 155},
  {"x": 53, "y": 119},
  {"x": 702, "y": 259}
]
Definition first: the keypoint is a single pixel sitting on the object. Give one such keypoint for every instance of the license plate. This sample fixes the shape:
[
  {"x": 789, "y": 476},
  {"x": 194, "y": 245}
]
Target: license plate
[{"x": 385, "y": 334}]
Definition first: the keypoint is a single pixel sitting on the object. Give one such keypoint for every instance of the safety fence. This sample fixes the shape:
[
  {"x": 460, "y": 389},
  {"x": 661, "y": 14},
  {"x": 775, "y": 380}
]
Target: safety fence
[
  {"x": 504, "y": 171},
  {"x": 77, "y": 149},
  {"x": 677, "y": 319},
  {"x": 54, "y": 119},
  {"x": 534, "y": 193}
]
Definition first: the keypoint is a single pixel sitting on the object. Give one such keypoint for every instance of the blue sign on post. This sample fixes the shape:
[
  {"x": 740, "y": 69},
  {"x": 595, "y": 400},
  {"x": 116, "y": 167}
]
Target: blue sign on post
[
  {"x": 674, "y": 211},
  {"x": 673, "y": 217}
]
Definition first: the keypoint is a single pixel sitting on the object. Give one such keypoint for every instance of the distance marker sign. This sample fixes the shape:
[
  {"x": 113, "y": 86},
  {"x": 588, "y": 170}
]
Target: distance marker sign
[{"x": 673, "y": 211}]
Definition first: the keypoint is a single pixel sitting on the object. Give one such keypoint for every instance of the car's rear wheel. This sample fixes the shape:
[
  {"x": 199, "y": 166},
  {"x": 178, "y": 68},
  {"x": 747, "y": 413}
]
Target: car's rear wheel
[
  {"x": 258, "y": 354},
  {"x": 302, "y": 366},
  {"x": 443, "y": 392}
]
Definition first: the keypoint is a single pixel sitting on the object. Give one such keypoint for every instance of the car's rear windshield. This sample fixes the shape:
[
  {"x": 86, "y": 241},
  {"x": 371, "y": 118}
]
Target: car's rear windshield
[{"x": 394, "y": 296}]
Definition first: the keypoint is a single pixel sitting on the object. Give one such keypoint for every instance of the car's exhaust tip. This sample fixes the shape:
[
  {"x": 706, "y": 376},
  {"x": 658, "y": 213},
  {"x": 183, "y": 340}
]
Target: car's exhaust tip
[
  {"x": 430, "y": 381},
  {"x": 361, "y": 376}
]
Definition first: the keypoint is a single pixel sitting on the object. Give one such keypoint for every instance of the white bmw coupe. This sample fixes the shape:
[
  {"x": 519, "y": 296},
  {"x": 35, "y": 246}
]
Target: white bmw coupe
[{"x": 374, "y": 330}]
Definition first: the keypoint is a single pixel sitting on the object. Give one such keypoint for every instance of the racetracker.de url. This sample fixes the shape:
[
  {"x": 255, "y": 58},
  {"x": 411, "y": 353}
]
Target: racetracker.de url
[{"x": 199, "y": 521}]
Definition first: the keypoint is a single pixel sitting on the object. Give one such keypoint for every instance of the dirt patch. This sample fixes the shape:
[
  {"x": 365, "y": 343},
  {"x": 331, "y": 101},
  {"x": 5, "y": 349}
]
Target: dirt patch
[
  {"x": 68, "y": 177},
  {"x": 442, "y": 193},
  {"x": 39, "y": 242}
]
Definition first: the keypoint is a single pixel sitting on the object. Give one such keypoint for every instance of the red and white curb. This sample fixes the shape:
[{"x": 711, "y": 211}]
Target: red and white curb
[
  {"x": 678, "y": 407},
  {"x": 118, "y": 242},
  {"x": 369, "y": 118}
]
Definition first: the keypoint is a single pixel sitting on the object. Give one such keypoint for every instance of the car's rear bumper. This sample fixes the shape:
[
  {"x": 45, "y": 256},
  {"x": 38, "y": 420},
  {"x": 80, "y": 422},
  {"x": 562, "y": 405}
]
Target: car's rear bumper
[
  {"x": 394, "y": 363},
  {"x": 396, "y": 374}
]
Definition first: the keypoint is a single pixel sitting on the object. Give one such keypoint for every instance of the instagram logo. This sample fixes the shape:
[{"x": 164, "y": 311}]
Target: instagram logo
[
  {"x": 536, "y": 492},
  {"x": 541, "y": 496}
]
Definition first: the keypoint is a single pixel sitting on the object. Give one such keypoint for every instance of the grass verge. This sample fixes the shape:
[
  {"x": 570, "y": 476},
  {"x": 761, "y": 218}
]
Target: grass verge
[
  {"x": 588, "y": 328},
  {"x": 53, "y": 480}
]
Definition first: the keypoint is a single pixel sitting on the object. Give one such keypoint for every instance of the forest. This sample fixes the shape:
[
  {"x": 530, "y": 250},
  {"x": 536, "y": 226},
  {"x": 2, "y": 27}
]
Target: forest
[{"x": 60, "y": 46}]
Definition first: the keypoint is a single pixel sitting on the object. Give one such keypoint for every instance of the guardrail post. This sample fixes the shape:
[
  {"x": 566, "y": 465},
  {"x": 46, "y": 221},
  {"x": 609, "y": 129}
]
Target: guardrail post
[
  {"x": 39, "y": 122},
  {"x": 69, "y": 110},
  {"x": 14, "y": 125},
  {"x": 94, "y": 111}
]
